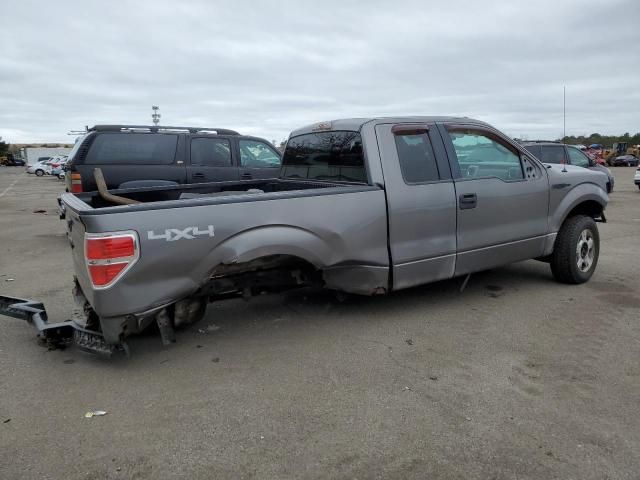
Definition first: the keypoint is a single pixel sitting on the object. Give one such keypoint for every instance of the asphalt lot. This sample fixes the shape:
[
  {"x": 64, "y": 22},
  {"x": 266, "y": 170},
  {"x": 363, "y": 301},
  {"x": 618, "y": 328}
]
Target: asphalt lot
[{"x": 516, "y": 377}]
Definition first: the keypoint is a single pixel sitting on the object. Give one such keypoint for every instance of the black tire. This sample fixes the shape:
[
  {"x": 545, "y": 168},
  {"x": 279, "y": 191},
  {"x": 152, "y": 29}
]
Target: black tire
[
  {"x": 568, "y": 264},
  {"x": 39, "y": 173}
]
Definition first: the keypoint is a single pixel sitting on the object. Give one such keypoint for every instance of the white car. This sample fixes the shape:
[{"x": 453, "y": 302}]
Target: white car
[
  {"x": 38, "y": 168},
  {"x": 636, "y": 178}
]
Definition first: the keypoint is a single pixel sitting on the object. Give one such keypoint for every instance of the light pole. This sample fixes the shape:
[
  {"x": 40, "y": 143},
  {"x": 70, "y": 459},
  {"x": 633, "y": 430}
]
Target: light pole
[
  {"x": 155, "y": 116},
  {"x": 564, "y": 112}
]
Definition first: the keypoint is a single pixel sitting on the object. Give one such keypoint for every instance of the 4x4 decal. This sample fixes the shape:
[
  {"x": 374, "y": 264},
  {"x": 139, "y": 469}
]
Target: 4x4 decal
[{"x": 189, "y": 233}]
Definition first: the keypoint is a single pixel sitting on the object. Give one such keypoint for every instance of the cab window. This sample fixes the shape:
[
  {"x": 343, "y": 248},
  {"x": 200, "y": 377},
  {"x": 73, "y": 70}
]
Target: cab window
[
  {"x": 417, "y": 161},
  {"x": 481, "y": 155}
]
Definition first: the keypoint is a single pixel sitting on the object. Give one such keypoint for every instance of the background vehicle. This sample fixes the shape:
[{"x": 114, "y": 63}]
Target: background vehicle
[
  {"x": 12, "y": 161},
  {"x": 623, "y": 161},
  {"x": 366, "y": 206},
  {"x": 39, "y": 168},
  {"x": 58, "y": 167},
  {"x": 33, "y": 155},
  {"x": 636, "y": 178},
  {"x": 558, "y": 153},
  {"x": 136, "y": 156}
]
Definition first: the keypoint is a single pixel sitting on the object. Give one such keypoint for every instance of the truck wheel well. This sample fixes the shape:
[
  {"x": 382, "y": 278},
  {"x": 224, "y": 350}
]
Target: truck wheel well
[
  {"x": 590, "y": 208},
  {"x": 271, "y": 273}
]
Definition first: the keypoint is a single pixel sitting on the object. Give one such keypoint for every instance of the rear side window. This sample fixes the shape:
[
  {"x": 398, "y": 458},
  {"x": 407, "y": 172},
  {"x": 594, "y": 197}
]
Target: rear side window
[
  {"x": 334, "y": 155},
  {"x": 417, "y": 161},
  {"x": 211, "y": 152},
  {"x": 132, "y": 148},
  {"x": 534, "y": 149},
  {"x": 552, "y": 154}
]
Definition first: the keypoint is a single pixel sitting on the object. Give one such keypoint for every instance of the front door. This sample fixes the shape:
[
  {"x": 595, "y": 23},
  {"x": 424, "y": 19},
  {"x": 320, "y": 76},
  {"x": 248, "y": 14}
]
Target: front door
[
  {"x": 211, "y": 160},
  {"x": 421, "y": 203},
  {"x": 503, "y": 199}
]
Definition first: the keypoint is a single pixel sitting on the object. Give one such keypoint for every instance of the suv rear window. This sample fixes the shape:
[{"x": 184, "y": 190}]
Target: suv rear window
[
  {"x": 335, "y": 155},
  {"x": 132, "y": 148}
]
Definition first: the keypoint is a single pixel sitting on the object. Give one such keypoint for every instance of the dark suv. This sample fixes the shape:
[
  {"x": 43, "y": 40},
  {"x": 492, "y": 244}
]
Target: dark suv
[
  {"x": 133, "y": 156},
  {"x": 550, "y": 152}
]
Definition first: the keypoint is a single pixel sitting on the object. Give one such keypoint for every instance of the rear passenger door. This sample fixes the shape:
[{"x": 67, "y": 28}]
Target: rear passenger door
[
  {"x": 421, "y": 203},
  {"x": 552, "y": 154},
  {"x": 211, "y": 160},
  {"x": 258, "y": 159},
  {"x": 502, "y": 196}
]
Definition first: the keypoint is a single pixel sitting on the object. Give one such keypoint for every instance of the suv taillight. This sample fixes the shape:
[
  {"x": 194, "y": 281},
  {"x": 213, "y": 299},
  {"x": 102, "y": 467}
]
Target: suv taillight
[
  {"x": 76, "y": 183},
  {"x": 108, "y": 256}
]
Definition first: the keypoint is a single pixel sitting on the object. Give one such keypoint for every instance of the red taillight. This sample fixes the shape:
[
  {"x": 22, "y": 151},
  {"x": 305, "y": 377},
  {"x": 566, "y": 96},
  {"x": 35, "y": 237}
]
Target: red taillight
[
  {"x": 102, "y": 275},
  {"x": 104, "y": 248},
  {"x": 109, "y": 256},
  {"x": 76, "y": 183}
]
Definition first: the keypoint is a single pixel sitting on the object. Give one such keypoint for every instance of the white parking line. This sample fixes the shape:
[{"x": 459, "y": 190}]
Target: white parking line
[{"x": 6, "y": 190}]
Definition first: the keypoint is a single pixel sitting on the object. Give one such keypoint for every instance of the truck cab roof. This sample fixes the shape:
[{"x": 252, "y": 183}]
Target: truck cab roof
[{"x": 355, "y": 124}]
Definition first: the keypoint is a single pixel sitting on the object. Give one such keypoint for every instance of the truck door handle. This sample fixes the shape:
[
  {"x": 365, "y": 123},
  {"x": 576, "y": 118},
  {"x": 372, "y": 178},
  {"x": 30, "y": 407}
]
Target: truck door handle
[
  {"x": 468, "y": 200},
  {"x": 246, "y": 176},
  {"x": 198, "y": 175}
]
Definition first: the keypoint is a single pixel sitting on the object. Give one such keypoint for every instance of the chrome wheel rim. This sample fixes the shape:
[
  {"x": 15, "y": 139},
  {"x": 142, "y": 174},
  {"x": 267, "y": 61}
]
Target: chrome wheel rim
[{"x": 585, "y": 250}]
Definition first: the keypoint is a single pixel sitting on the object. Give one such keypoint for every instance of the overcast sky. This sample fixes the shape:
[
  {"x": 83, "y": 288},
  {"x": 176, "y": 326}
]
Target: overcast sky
[{"x": 266, "y": 68}]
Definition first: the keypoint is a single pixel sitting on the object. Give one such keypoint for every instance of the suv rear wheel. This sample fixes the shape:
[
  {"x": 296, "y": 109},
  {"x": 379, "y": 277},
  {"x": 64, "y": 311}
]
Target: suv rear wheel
[
  {"x": 39, "y": 172},
  {"x": 576, "y": 250}
]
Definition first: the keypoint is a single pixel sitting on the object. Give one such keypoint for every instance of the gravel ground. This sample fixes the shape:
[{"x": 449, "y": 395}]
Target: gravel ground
[{"x": 517, "y": 377}]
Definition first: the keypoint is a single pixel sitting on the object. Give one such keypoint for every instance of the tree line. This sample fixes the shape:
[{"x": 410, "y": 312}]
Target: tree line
[{"x": 606, "y": 140}]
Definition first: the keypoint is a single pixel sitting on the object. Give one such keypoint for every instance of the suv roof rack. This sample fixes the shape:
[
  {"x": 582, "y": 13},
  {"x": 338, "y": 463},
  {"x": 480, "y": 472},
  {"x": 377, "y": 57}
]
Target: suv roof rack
[
  {"x": 160, "y": 128},
  {"x": 541, "y": 141}
]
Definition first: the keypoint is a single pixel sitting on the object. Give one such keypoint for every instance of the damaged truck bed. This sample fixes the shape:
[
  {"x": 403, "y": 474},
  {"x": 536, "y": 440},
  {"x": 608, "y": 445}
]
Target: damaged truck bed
[{"x": 364, "y": 206}]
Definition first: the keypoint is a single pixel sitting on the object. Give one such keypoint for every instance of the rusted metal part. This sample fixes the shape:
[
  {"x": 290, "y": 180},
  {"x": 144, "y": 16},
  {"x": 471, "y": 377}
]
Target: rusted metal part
[
  {"x": 188, "y": 311},
  {"x": 104, "y": 192},
  {"x": 60, "y": 334},
  {"x": 165, "y": 325}
]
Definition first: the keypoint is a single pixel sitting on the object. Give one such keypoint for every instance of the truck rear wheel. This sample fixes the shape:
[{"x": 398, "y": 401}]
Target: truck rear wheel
[{"x": 576, "y": 250}]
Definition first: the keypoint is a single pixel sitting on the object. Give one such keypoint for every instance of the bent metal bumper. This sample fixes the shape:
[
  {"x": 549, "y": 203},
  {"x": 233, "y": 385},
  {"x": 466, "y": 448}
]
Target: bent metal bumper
[{"x": 57, "y": 335}]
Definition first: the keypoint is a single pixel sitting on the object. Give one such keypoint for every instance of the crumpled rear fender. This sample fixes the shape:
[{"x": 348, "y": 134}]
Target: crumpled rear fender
[{"x": 276, "y": 240}]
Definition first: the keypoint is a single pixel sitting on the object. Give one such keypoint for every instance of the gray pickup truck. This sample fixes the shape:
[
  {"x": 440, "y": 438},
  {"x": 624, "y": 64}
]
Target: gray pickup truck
[{"x": 365, "y": 206}]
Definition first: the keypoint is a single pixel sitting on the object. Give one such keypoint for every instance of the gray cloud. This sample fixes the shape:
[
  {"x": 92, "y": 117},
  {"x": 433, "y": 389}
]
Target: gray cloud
[{"x": 266, "y": 68}]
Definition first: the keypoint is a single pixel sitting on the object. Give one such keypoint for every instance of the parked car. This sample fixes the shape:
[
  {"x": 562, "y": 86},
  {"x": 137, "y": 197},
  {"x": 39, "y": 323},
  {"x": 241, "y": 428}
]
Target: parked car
[
  {"x": 136, "y": 156},
  {"x": 624, "y": 161},
  {"x": 365, "y": 206},
  {"x": 636, "y": 178},
  {"x": 58, "y": 168},
  {"x": 558, "y": 153},
  {"x": 40, "y": 168}
]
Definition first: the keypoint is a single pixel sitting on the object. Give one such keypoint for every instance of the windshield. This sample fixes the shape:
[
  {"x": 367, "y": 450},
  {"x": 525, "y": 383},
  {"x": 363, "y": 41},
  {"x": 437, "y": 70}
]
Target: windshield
[{"x": 334, "y": 155}]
